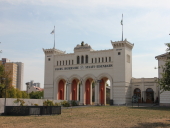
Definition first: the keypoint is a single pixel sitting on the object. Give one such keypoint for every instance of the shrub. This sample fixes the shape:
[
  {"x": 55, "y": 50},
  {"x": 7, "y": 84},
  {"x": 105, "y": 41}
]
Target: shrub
[
  {"x": 36, "y": 105},
  {"x": 74, "y": 103},
  {"x": 65, "y": 104},
  {"x": 57, "y": 104},
  {"x": 48, "y": 103},
  {"x": 19, "y": 101}
]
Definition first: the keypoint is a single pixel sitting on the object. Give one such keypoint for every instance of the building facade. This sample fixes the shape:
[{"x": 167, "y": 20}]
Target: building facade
[
  {"x": 67, "y": 74},
  {"x": 71, "y": 76},
  {"x": 16, "y": 71}
]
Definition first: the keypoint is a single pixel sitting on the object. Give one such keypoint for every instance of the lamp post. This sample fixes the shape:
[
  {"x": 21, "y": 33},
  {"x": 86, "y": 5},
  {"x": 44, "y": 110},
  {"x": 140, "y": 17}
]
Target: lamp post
[{"x": 5, "y": 96}]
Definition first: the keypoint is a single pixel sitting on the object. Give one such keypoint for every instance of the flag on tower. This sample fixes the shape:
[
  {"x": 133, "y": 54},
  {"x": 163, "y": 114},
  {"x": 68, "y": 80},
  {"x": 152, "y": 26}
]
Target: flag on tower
[
  {"x": 122, "y": 20},
  {"x": 52, "y": 32}
]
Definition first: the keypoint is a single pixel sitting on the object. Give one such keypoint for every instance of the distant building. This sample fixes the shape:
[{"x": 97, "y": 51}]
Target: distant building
[
  {"x": 16, "y": 70},
  {"x": 33, "y": 87}
]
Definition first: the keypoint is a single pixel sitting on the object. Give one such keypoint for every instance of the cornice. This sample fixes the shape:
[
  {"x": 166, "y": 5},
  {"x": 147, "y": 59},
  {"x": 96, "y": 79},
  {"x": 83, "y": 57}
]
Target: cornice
[
  {"x": 53, "y": 51},
  {"x": 125, "y": 43}
]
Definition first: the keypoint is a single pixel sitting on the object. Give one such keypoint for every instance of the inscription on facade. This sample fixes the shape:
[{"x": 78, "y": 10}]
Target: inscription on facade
[{"x": 85, "y": 67}]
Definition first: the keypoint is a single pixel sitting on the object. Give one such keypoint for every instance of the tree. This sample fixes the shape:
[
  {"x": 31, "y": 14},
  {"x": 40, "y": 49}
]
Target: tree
[
  {"x": 36, "y": 95},
  {"x": 4, "y": 81},
  {"x": 164, "y": 81}
]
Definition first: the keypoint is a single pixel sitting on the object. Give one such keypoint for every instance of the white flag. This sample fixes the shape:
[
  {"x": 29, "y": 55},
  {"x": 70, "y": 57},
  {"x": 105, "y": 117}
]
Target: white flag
[
  {"x": 121, "y": 22},
  {"x": 52, "y": 32}
]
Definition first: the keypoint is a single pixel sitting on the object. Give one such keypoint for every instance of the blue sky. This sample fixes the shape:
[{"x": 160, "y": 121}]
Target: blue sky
[{"x": 25, "y": 27}]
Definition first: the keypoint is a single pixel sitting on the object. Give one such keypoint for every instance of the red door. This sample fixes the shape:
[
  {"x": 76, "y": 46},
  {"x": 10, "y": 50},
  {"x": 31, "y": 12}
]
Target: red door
[
  {"x": 87, "y": 92},
  {"x": 74, "y": 90},
  {"x": 61, "y": 90}
]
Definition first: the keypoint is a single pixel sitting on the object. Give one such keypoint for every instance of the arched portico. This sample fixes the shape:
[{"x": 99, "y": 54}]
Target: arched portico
[
  {"x": 100, "y": 88},
  {"x": 60, "y": 88}
]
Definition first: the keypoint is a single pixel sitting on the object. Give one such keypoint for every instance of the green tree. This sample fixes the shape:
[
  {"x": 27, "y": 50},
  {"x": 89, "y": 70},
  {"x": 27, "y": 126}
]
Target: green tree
[
  {"x": 36, "y": 95},
  {"x": 11, "y": 92},
  {"x": 24, "y": 94},
  {"x": 18, "y": 93},
  {"x": 5, "y": 80},
  {"x": 164, "y": 81}
]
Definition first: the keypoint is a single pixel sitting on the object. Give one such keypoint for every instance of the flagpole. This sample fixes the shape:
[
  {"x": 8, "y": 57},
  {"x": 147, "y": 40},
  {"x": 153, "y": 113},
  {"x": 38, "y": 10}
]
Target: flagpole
[
  {"x": 122, "y": 27},
  {"x": 54, "y": 37}
]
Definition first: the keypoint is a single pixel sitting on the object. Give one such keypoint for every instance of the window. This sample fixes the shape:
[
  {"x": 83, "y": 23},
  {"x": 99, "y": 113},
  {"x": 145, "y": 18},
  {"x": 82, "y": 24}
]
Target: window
[
  {"x": 99, "y": 60},
  {"x": 69, "y": 62},
  {"x": 49, "y": 59},
  {"x": 60, "y": 62},
  {"x": 82, "y": 59},
  {"x": 63, "y": 62},
  {"x": 92, "y": 60},
  {"x": 86, "y": 58},
  {"x": 109, "y": 59},
  {"x": 78, "y": 59},
  {"x": 128, "y": 58},
  {"x": 57, "y": 63},
  {"x": 102, "y": 59},
  {"x": 119, "y": 53},
  {"x": 66, "y": 62},
  {"x": 72, "y": 61},
  {"x": 106, "y": 59},
  {"x": 95, "y": 60}
]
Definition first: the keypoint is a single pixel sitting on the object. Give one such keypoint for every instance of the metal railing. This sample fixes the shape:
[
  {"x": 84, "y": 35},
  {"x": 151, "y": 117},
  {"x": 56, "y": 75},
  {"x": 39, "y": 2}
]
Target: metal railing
[{"x": 32, "y": 110}]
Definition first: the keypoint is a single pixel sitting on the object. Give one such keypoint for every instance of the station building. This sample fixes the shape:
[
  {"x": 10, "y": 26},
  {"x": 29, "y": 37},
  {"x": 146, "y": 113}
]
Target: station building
[{"x": 71, "y": 76}]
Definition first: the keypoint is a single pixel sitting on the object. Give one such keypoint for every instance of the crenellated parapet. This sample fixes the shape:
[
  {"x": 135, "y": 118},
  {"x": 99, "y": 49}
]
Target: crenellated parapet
[
  {"x": 53, "y": 51},
  {"x": 83, "y": 47},
  {"x": 125, "y": 43}
]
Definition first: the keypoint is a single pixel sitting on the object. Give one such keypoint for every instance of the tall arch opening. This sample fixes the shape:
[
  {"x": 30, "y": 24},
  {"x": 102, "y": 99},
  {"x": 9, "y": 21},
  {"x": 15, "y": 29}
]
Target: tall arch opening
[
  {"x": 61, "y": 90},
  {"x": 88, "y": 92},
  {"x": 74, "y": 90}
]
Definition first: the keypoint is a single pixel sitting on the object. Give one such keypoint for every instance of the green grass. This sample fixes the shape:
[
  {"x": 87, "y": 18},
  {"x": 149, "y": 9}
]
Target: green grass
[{"x": 99, "y": 116}]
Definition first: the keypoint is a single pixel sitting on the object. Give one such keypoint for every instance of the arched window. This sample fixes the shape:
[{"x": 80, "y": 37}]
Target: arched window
[
  {"x": 102, "y": 59},
  {"x": 78, "y": 59},
  {"x": 60, "y": 62},
  {"x": 63, "y": 62},
  {"x": 72, "y": 62},
  {"x": 137, "y": 94},
  {"x": 149, "y": 95},
  {"x": 86, "y": 58},
  {"x": 109, "y": 59},
  {"x": 92, "y": 60},
  {"x": 69, "y": 62},
  {"x": 99, "y": 60},
  {"x": 66, "y": 62},
  {"x": 82, "y": 59},
  {"x": 106, "y": 59},
  {"x": 57, "y": 63}
]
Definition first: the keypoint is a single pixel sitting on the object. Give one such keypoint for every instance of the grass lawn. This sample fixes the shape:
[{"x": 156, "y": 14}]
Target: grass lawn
[{"x": 94, "y": 116}]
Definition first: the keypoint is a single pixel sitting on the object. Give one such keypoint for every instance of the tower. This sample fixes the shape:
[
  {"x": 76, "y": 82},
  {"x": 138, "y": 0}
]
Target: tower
[
  {"x": 49, "y": 71},
  {"x": 122, "y": 71}
]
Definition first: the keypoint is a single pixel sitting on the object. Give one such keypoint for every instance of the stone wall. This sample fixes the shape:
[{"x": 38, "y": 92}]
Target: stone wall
[{"x": 28, "y": 102}]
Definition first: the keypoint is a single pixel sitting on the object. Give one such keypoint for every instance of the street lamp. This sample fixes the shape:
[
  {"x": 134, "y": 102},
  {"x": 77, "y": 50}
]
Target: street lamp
[{"x": 5, "y": 96}]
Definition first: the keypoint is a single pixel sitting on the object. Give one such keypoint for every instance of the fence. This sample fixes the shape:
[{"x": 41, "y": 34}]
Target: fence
[{"x": 32, "y": 110}]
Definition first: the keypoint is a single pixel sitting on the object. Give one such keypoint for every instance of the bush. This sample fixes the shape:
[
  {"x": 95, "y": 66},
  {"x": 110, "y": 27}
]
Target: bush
[
  {"x": 65, "y": 104},
  {"x": 74, "y": 103},
  {"x": 57, "y": 104},
  {"x": 36, "y": 105},
  {"x": 48, "y": 103},
  {"x": 19, "y": 100}
]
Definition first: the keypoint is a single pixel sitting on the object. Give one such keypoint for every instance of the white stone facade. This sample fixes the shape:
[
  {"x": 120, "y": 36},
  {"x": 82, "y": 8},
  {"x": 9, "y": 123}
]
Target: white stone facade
[{"x": 86, "y": 66}]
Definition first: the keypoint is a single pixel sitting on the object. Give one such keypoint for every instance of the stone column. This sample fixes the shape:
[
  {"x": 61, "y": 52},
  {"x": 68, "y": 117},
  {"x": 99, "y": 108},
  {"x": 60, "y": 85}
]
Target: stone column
[
  {"x": 67, "y": 91},
  {"x": 96, "y": 93},
  {"x": 82, "y": 94}
]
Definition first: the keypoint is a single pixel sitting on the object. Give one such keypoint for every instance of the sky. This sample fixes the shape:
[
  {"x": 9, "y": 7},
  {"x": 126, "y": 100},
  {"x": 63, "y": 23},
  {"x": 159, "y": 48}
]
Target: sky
[{"x": 25, "y": 27}]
